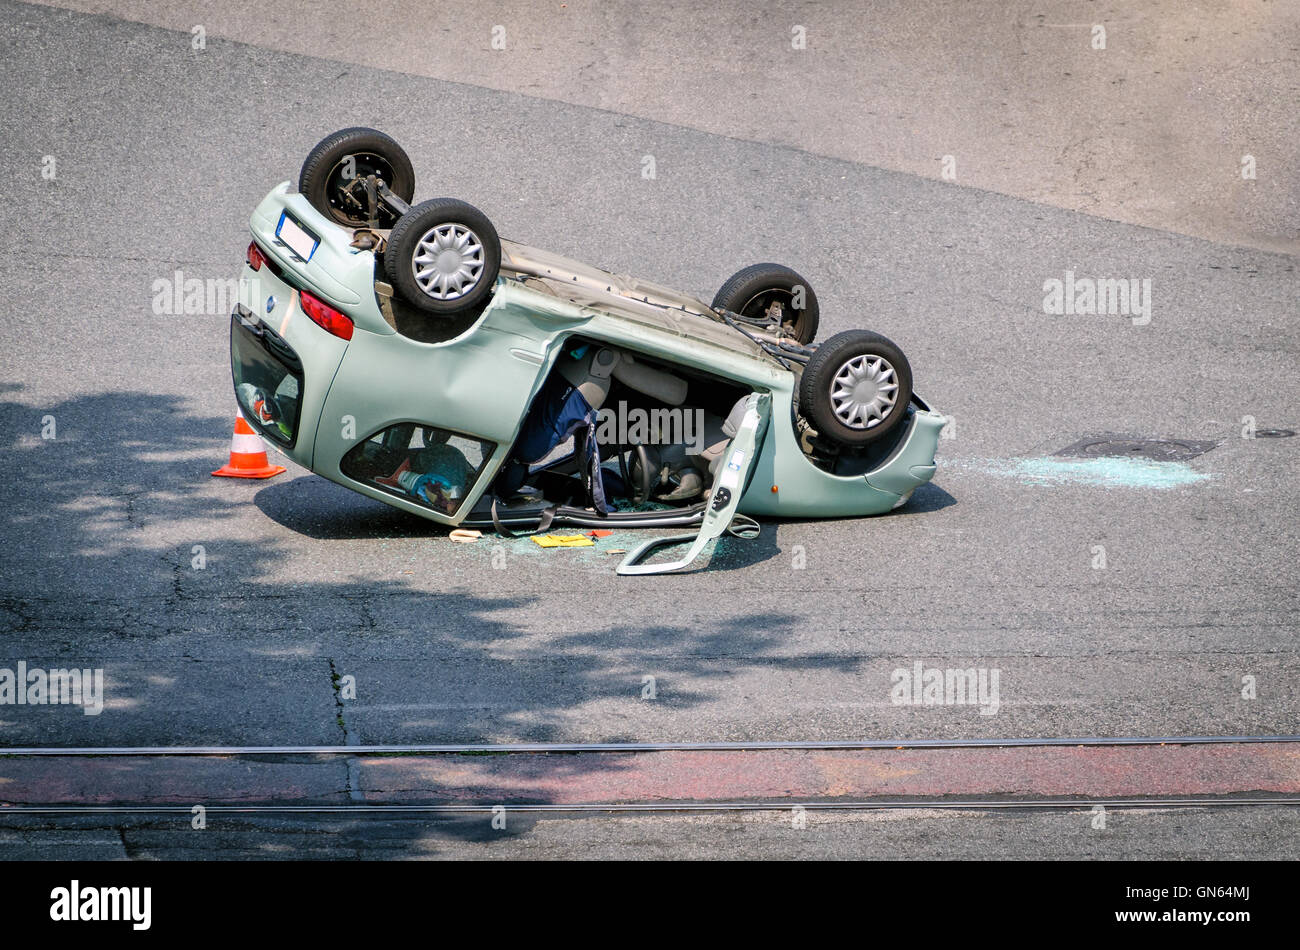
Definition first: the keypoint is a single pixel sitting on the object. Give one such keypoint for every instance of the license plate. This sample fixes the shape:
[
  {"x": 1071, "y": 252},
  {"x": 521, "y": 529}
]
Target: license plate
[{"x": 296, "y": 238}]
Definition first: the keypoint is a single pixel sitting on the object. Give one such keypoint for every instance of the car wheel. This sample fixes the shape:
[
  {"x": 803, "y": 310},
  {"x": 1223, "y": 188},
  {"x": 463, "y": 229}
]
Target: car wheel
[
  {"x": 334, "y": 175},
  {"x": 771, "y": 289},
  {"x": 443, "y": 256},
  {"x": 856, "y": 387}
]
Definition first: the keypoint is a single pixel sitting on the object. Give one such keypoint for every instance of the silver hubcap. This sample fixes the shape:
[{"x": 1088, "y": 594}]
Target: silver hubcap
[
  {"x": 864, "y": 391},
  {"x": 448, "y": 261}
]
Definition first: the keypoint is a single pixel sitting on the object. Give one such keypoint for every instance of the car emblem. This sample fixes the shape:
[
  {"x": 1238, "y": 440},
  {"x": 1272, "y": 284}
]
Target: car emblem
[{"x": 270, "y": 303}]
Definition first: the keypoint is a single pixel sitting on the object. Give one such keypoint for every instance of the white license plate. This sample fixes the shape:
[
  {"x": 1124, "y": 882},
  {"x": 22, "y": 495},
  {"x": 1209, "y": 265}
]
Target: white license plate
[{"x": 295, "y": 237}]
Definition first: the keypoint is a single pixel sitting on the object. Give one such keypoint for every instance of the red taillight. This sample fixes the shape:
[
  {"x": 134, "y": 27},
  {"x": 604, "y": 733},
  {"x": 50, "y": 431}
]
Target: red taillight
[
  {"x": 255, "y": 257},
  {"x": 323, "y": 315}
]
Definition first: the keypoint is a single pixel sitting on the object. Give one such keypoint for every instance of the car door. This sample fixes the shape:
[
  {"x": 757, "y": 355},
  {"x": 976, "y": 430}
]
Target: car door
[{"x": 733, "y": 478}]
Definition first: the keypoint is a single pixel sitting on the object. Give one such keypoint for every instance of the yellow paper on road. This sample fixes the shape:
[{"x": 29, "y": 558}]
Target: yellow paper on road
[{"x": 563, "y": 541}]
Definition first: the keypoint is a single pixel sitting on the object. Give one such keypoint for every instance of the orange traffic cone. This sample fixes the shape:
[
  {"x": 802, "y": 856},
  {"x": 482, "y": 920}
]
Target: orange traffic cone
[{"x": 247, "y": 454}]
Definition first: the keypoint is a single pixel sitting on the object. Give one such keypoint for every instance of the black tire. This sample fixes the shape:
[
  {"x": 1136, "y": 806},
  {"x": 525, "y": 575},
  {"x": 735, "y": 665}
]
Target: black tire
[
  {"x": 404, "y": 244},
  {"x": 818, "y": 388},
  {"x": 335, "y": 186},
  {"x": 750, "y": 292}
]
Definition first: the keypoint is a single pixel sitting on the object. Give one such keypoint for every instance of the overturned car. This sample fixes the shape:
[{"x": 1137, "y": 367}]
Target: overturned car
[{"x": 410, "y": 354}]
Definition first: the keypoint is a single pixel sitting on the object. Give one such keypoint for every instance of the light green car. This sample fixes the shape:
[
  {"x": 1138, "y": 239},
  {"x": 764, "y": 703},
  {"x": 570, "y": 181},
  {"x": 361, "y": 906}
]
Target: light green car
[{"x": 411, "y": 355}]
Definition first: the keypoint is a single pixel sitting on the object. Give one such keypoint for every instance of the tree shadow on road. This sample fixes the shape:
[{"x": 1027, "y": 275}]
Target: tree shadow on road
[
  {"x": 253, "y": 647},
  {"x": 319, "y": 509}
]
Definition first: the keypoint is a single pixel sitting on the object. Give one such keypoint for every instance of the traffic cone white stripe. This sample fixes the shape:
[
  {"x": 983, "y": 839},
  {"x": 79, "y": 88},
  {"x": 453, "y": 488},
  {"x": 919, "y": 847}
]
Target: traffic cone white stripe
[{"x": 246, "y": 444}]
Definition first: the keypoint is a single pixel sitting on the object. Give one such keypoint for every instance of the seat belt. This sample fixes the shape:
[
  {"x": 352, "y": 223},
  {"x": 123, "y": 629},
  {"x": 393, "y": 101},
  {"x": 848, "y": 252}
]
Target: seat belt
[{"x": 543, "y": 523}]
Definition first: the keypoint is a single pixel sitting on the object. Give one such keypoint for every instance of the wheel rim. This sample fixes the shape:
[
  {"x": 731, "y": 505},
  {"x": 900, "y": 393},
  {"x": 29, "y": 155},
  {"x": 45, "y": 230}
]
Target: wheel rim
[
  {"x": 864, "y": 391},
  {"x": 346, "y": 194},
  {"x": 448, "y": 261}
]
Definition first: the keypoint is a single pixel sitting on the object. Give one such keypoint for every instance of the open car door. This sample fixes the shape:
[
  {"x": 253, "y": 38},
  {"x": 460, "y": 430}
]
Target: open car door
[{"x": 730, "y": 484}]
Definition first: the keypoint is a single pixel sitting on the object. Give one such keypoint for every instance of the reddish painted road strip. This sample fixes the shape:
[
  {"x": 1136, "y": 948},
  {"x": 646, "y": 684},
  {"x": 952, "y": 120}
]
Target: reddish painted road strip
[
  {"x": 738, "y": 776},
  {"x": 1028, "y": 773},
  {"x": 173, "y": 781}
]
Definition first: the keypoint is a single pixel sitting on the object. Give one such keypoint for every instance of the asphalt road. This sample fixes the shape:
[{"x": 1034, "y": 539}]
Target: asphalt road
[
  {"x": 1138, "y": 112},
  {"x": 160, "y": 152},
  {"x": 1240, "y": 834}
]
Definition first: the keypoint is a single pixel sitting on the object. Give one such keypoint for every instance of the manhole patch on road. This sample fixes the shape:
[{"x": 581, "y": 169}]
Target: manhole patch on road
[{"x": 1155, "y": 450}]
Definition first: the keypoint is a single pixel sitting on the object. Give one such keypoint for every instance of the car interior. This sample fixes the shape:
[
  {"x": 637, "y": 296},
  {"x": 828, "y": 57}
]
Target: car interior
[{"x": 660, "y": 432}]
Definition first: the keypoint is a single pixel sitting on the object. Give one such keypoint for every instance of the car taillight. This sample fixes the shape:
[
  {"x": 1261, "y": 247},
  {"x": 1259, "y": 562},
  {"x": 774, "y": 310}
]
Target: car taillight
[
  {"x": 325, "y": 316},
  {"x": 255, "y": 257}
]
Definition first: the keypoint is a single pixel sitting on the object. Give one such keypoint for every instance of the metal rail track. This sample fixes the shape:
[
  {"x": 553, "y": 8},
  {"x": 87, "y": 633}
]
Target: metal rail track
[
  {"x": 629, "y": 808},
  {"x": 610, "y": 747}
]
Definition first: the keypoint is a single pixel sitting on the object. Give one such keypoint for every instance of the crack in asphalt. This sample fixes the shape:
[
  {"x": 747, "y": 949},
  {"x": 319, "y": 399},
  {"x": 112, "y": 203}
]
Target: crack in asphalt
[{"x": 353, "y": 783}]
